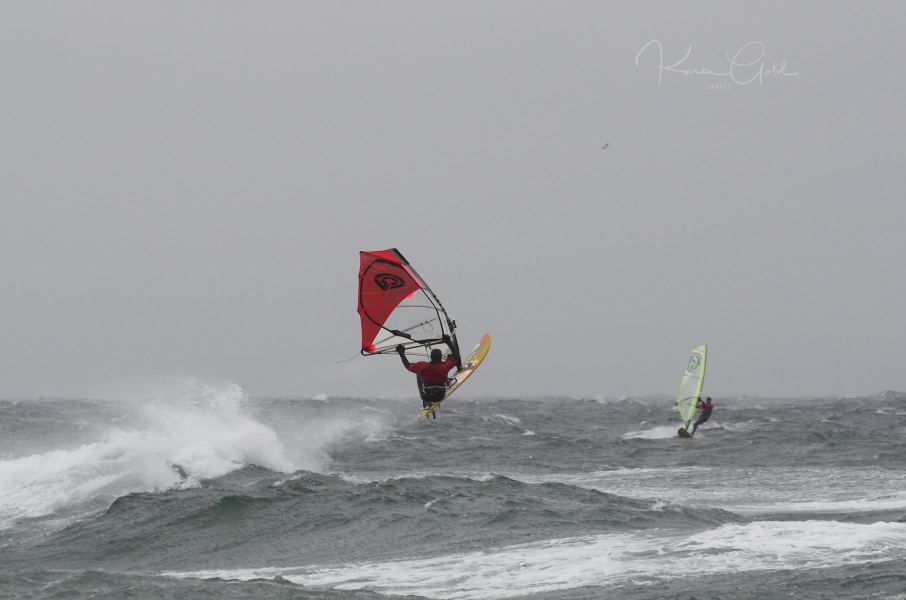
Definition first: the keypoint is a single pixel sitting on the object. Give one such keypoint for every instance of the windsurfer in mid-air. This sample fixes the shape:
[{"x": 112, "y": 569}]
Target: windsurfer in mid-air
[
  {"x": 707, "y": 406},
  {"x": 432, "y": 376}
]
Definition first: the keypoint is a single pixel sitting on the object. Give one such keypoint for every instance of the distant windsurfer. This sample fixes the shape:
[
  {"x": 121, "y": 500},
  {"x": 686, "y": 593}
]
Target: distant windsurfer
[
  {"x": 707, "y": 405},
  {"x": 432, "y": 376}
]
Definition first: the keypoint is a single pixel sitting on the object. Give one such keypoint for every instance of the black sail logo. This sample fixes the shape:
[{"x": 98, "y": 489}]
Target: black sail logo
[
  {"x": 388, "y": 281},
  {"x": 694, "y": 362}
]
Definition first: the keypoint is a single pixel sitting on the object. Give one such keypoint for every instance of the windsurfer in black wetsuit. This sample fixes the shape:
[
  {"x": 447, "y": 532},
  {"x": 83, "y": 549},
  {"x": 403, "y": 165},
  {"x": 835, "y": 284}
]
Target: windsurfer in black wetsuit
[{"x": 707, "y": 406}]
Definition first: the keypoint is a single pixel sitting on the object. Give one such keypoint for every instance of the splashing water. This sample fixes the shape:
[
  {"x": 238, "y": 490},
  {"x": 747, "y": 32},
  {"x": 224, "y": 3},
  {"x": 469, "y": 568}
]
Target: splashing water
[{"x": 176, "y": 437}]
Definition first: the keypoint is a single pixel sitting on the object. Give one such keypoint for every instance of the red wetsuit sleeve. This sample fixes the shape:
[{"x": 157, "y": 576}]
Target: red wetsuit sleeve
[{"x": 449, "y": 363}]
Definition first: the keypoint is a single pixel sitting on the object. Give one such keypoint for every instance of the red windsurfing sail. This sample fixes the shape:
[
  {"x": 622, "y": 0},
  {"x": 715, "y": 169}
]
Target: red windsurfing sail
[{"x": 396, "y": 306}]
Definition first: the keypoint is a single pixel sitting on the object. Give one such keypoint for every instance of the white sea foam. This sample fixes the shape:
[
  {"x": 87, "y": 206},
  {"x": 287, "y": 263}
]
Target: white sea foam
[
  {"x": 660, "y": 432},
  {"x": 176, "y": 435},
  {"x": 508, "y": 421},
  {"x": 750, "y": 490},
  {"x": 853, "y": 505},
  {"x": 604, "y": 560},
  {"x": 735, "y": 427},
  {"x": 503, "y": 419},
  {"x": 889, "y": 412},
  {"x": 362, "y": 479}
]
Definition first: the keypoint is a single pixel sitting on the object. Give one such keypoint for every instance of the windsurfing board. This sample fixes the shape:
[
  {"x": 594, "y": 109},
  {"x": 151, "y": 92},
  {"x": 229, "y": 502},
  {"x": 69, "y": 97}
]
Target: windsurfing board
[
  {"x": 683, "y": 433},
  {"x": 469, "y": 366}
]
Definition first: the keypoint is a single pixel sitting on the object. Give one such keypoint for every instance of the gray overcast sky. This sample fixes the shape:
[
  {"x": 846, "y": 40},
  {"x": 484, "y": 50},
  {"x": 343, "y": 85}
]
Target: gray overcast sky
[{"x": 186, "y": 185}]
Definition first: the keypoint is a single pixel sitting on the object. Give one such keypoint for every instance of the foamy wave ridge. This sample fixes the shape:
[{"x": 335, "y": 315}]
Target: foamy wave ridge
[
  {"x": 200, "y": 432},
  {"x": 604, "y": 560},
  {"x": 661, "y": 432}
]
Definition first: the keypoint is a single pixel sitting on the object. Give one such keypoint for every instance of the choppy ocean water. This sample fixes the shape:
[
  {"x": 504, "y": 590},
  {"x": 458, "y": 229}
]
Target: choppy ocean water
[{"x": 207, "y": 494}]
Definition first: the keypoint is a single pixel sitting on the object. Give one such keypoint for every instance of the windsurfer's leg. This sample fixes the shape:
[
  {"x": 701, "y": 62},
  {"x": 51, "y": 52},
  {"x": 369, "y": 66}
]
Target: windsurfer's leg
[
  {"x": 434, "y": 394},
  {"x": 698, "y": 422}
]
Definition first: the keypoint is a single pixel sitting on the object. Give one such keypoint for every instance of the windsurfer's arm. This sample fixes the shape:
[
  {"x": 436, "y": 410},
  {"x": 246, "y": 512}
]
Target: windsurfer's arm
[
  {"x": 401, "y": 350},
  {"x": 454, "y": 351}
]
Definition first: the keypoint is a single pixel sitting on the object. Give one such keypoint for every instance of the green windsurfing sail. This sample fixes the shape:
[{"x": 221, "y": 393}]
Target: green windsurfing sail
[{"x": 691, "y": 386}]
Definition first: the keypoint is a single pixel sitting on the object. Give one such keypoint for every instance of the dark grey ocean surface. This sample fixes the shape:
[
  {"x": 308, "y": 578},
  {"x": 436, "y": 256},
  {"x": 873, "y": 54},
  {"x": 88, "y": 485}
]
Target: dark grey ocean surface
[{"x": 210, "y": 495}]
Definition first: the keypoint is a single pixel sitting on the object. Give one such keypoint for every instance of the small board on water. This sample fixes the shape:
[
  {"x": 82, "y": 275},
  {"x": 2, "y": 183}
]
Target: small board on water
[
  {"x": 469, "y": 365},
  {"x": 683, "y": 433}
]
